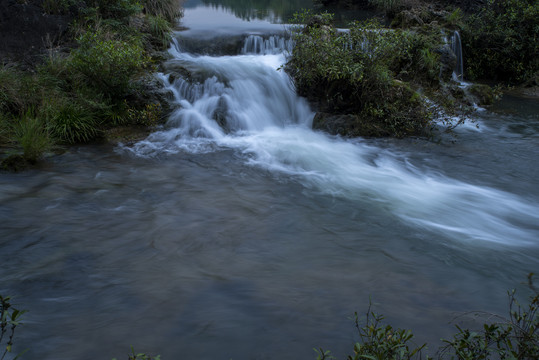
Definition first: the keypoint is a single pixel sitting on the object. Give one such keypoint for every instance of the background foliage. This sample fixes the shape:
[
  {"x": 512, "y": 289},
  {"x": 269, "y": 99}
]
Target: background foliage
[{"x": 501, "y": 42}]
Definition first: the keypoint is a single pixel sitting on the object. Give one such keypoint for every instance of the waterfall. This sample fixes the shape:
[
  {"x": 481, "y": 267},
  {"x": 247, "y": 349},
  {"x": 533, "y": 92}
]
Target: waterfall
[
  {"x": 456, "y": 46},
  {"x": 257, "y": 45},
  {"x": 245, "y": 104}
]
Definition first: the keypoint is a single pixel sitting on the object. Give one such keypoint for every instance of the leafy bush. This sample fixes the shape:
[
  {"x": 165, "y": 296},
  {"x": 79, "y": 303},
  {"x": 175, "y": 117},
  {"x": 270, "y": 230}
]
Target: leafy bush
[
  {"x": 359, "y": 72},
  {"x": 32, "y": 135},
  {"x": 378, "y": 341},
  {"x": 10, "y": 318},
  {"x": 516, "y": 337},
  {"x": 18, "y": 91},
  {"x": 159, "y": 29},
  {"x": 501, "y": 41},
  {"x": 107, "y": 63},
  {"x": 57, "y": 6},
  {"x": 70, "y": 122}
]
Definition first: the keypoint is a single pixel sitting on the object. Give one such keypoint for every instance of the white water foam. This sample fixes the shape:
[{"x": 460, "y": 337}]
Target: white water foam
[{"x": 271, "y": 126}]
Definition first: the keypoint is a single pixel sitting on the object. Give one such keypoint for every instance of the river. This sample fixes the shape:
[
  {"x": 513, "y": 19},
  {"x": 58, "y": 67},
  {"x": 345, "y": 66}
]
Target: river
[{"x": 260, "y": 239}]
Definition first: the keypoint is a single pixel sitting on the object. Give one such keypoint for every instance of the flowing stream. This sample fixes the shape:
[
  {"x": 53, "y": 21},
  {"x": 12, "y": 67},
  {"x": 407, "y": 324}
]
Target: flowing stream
[{"x": 237, "y": 232}]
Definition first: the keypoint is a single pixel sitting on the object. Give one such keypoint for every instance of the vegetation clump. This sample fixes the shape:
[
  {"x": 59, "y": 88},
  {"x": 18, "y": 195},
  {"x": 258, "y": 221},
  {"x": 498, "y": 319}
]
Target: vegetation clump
[
  {"x": 515, "y": 337},
  {"x": 74, "y": 96},
  {"x": 10, "y": 318},
  {"x": 501, "y": 42},
  {"x": 369, "y": 73}
]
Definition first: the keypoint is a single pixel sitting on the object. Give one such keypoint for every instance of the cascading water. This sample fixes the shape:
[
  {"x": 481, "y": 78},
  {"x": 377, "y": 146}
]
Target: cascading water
[
  {"x": 245, "y": 104},
  {"x": 456, "y": 46},
  {"x": 257, "y": 45}
]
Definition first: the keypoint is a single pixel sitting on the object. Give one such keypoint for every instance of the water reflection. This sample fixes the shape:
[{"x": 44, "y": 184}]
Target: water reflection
[{"x": 276, "y": 11}]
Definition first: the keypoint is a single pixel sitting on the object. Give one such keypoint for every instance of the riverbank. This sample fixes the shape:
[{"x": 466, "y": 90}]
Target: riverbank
[{"x": 73, "y": 70}]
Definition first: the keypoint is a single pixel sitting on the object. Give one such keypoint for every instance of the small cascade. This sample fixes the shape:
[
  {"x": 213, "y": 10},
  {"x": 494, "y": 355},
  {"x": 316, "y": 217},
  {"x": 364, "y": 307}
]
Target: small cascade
[
  {"x": 456, "y": 46},
  {"x": 257, "y": 45}
]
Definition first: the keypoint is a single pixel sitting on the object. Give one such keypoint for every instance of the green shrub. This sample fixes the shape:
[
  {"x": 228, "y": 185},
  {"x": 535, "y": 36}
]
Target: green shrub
[
  {"x": 31, "y": 133},
  {"x": 70, "y": 122},
  {"x": 379, "y": 341},
  {"x": 516, "y": 337},
  {"x": 10, "y": 318},
  {"x": 356, "y": 73},
  {"x": 159, "y": 29},
  {"x": 501, "y": 42},
  {"x": 18, "y": 91},
  {"x": 107, "y": 63},
  {"x": 57, "y": 6}
]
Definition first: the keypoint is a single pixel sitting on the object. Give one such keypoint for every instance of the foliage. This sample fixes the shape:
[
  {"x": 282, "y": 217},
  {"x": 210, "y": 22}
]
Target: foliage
[
  {"x": 362, "y": 72},
  {"x": 70, "y": 122},
  {"x": 383, "y": 342},
  {"x": 31, "y": 133},
  {"x": 516, "y": 337},
  {"x": 57, "y": 6},
  {"x": 108, "y": 63},
  {"x": 169, "y": 10},
  {"x": 18, "y": 91},
  {"x": 159, "y": 29},
  {"x": 10, "y": 318},
  {"x": 501, "y": 42}
]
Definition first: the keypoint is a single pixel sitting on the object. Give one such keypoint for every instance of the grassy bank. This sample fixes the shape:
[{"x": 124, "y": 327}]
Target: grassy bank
[{"x": 101, "y": 81}]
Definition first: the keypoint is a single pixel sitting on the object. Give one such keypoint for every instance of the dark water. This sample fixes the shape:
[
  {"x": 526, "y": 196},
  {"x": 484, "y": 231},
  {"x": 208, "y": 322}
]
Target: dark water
[{"x": 261, "y": 243}]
